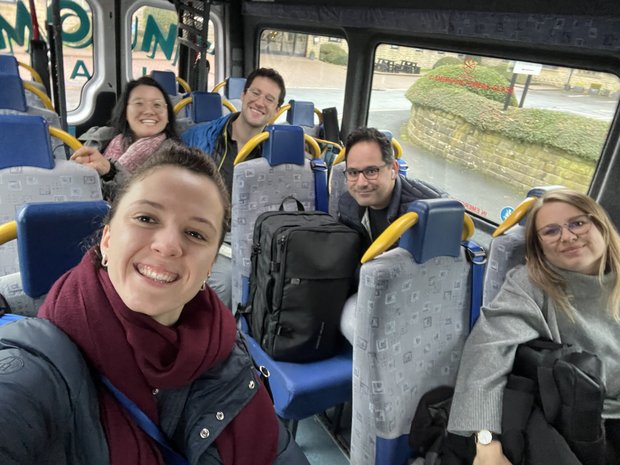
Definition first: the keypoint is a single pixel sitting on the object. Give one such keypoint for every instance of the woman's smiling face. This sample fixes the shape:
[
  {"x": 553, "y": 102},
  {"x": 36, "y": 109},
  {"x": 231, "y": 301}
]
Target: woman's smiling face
[
  {"x": 163, "y": 240},
  {"x": 572, "y": 251},
  {"x": 147, "y": 112}
]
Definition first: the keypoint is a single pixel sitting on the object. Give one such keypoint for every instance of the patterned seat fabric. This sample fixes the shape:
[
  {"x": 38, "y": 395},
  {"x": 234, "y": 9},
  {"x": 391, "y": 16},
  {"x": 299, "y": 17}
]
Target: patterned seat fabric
[
  {"x": 261, "y": 185},
  {"x": 411, "y": 323},
  {"x": 60, "y": 181},
  {"x": 505, "y": 252},
  {"x": 337, "y": 186}
]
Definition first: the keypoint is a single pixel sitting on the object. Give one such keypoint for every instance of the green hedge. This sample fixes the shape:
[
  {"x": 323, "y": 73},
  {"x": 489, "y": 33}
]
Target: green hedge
[
  {"x": 447, "y": 61},
  {"x": 578, "y": 135},
  {"x": 479, "y": 80},
  {"x": 332, "y": 53}
]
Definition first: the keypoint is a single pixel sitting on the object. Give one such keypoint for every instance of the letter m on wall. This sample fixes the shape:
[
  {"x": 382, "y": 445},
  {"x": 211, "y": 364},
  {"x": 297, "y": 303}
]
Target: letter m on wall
[{"x": 16, "y": 33}]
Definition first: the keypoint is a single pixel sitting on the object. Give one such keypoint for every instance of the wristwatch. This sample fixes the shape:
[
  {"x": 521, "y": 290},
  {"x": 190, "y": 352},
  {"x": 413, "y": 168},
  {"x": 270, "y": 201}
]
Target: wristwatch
[{"x": 484, "y": 437}]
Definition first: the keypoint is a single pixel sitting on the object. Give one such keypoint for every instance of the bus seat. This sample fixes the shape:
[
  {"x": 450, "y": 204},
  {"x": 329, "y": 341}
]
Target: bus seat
[
  {"x": 13, "y": 102},
  {"x": 167, "y": 80},
  {"x": 66, "y": 225},
  {"x": 206, "y": 106},
  {"x": 302, "y": 114},
  {"x": 507, "y": 250},
  {"x": 25, "y": 141},
  {"x": 41, "y": 179},
  {"x": 412, "y": 318},
  {"x": 10, "y": 96},
  {"x": 8, "y": 65},
  {"x": 234, "y": 87},
  {"x": 260, "y": 185}
]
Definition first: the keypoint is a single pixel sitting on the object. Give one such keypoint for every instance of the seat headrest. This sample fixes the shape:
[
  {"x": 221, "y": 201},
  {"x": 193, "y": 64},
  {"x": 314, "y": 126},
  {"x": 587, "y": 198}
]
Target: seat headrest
[
  {"x": 234, "y": 88},
  {"x": 387, "y": 133},
  {"x": 300, "y": 113},
  {"x": 206, "y": 106},
  {"x": 167, "y": 80},
  {"x": 284, "y": 145},
  {"x": 8, "y": 65},
  {"x": 539, "y": 191},
  {"x": 438, "y": 230},
  {"x": 50, "y": 240},
  {"x": 25, "y": 141},
  {"x": 12, "y": 94}
]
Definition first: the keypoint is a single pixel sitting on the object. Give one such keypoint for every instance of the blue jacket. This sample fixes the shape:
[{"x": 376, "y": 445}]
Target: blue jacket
[
  {"x": 204, "y": 135},
  {"x": 49, "y": 409}
]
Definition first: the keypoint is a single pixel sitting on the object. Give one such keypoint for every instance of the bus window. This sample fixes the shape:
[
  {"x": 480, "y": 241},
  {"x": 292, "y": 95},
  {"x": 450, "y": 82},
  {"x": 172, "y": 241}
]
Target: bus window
[
  {"x": 313, "y": 67},
  {"x": 487, "y": 130},
  {"x": 16, "y": 33},
  {"x": 153, "y": 41}
]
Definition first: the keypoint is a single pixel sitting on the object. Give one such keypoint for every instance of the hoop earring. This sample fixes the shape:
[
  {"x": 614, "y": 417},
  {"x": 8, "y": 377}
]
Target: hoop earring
[
  {"x": 203, "y": 287},
  {"x": 104, "y": 260}
]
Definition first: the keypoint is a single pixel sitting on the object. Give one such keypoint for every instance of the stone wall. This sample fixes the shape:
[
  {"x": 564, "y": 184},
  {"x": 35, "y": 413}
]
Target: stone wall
[{"x": 519, "y": 164}]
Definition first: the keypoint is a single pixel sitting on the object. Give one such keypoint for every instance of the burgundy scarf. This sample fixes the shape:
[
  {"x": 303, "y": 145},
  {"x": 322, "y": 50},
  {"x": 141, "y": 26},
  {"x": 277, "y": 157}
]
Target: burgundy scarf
[
  {"x": 138, "y": 354},
  {"x": 133, "y": 156}
]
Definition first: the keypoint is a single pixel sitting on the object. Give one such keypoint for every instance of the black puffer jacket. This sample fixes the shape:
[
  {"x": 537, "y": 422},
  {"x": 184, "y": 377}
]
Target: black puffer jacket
[
  {"x": 49, "y": 410},
  {"x": 405, "y": 192}
]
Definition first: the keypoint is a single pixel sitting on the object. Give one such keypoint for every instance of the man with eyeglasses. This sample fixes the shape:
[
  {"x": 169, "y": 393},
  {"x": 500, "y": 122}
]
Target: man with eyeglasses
[
  {"x": 376, "y": 194},
  {"x": 262, "y": 96}
]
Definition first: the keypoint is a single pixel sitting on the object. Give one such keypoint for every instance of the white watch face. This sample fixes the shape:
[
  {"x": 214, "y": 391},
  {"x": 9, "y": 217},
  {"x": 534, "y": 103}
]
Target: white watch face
[{"x": 484, "y": 437}]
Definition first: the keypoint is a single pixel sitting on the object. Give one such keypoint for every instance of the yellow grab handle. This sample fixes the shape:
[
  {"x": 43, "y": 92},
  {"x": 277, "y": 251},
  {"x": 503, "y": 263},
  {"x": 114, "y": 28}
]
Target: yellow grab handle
[
  {"x": 516, "y": 216},
  {"x": 182, "y": 104},
  {"x": 219, "y": 86},
  {"x": 313, "y": 145},
  {"x": 398, "y": 149},
  {"x": 8, "y": 232},
  {"x": 39, "y": 93},
  {"x": 184, "y": 84},
  {"x": 468, "y": 227},
  {"x": 229, "y": 105},
  {"x": 249, "y": 146},
  {"x": 340, "y": 157},
  {"x": 390, "y": 235},
  {"x": 33, "y": 72},
  {"x": 328, "y": 142},
  {"x": 319, "y": 113},
  {"x": 67, "y": 138}
]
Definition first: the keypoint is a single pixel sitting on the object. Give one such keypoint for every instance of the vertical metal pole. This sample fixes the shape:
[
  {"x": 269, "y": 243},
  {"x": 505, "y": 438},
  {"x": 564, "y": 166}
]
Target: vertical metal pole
[
  {"x": 61, "y": 104},
  {"x": 525, "y": 88},
  {"x": 509, "y": 94}
]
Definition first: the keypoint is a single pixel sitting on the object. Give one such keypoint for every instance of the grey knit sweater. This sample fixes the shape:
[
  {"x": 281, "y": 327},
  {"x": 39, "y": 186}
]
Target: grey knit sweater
[{"x": 521, "y": 313}]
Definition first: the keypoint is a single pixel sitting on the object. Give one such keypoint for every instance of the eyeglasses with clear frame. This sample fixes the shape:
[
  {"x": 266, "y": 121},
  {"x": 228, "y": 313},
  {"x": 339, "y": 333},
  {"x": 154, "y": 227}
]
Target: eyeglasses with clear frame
[
  {"x": 158, "y": 106},
  {"x": 579, "y": 225},
  {"x": 370, "y": 173},
  {"x": 256, "y": 93}
]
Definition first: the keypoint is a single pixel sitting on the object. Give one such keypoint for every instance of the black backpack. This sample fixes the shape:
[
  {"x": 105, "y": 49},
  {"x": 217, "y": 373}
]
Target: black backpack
[{"x": 303, "y": 267}]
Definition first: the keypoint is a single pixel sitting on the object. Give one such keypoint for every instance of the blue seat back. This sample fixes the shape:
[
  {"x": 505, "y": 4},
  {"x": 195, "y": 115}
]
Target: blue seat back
[
  {"x": 167, "y": 80},
  {"x": 8, "y": 65},
  {"x": 206, "y": 106},
  {"x": 438, "y": 230},
  {"x": 12, "y": 95},
  {"x": 301, "y": 113},
  {"x": 234, "y": 88},
  {"x": 285, "y": 145},
  {"x": 50, "y": 240},
  {"x": 507, "y": 251},
  {"x": 25, "y": 141},
  {"x": 411, "y": 321}
]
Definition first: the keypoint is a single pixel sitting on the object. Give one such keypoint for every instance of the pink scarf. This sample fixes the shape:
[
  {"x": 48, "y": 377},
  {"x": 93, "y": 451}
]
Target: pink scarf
[{"x": 133, "y": 156}]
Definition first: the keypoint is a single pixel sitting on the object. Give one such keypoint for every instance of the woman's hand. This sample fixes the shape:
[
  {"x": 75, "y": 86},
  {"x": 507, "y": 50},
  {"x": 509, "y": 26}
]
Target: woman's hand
[
  {"x": 90, "y": 156},
  {"x": 491, "y": 454}
]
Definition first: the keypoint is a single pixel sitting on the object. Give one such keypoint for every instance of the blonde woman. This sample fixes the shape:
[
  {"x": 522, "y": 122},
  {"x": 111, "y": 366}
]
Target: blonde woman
[{"x": 568, "y": 292}]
